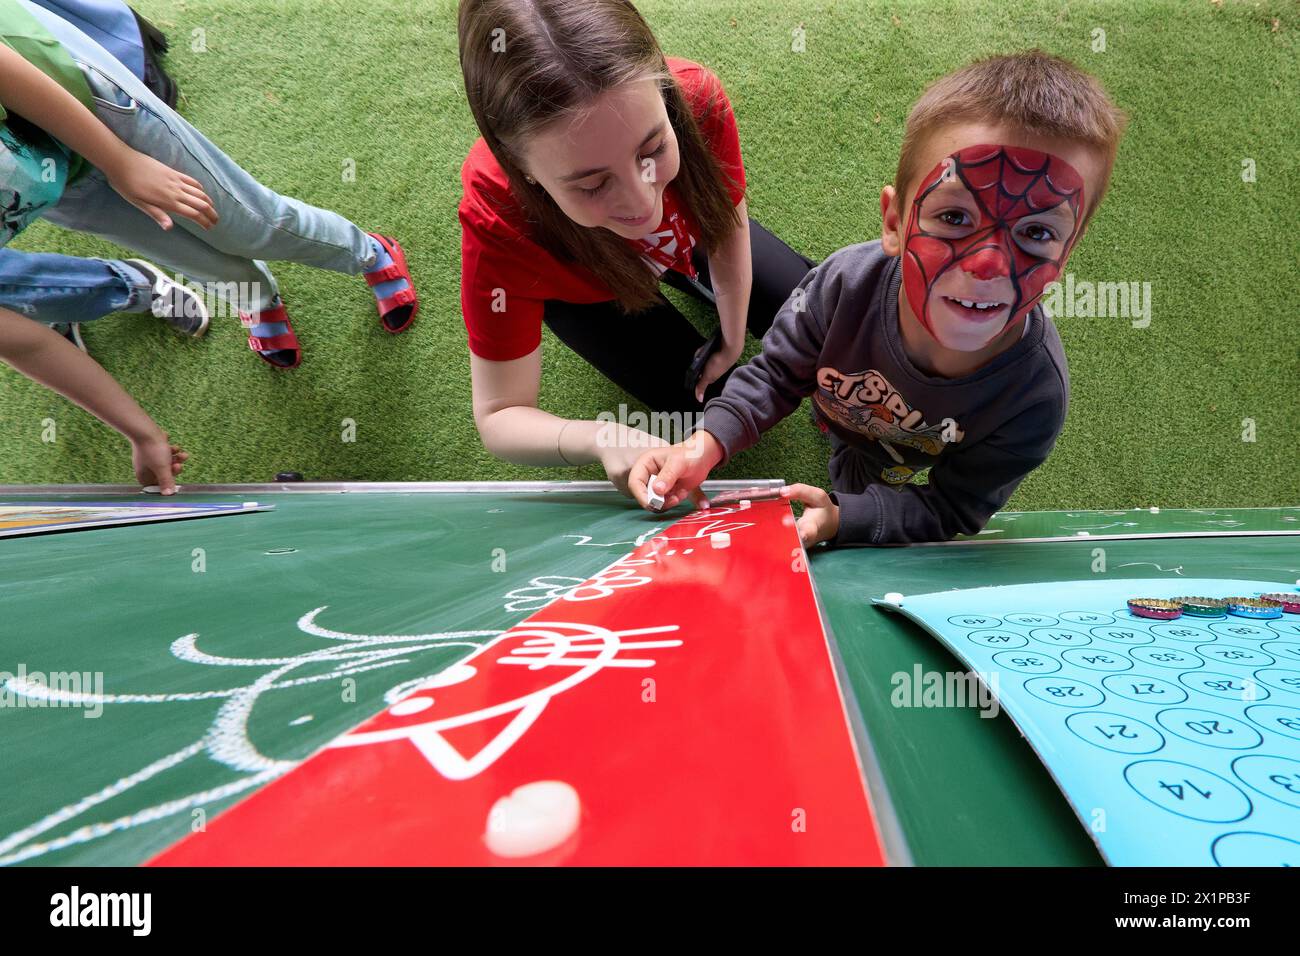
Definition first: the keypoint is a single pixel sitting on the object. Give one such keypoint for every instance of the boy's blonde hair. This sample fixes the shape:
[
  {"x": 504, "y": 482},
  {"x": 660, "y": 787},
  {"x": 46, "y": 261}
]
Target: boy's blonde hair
[{"x": 1031, "y": 90}]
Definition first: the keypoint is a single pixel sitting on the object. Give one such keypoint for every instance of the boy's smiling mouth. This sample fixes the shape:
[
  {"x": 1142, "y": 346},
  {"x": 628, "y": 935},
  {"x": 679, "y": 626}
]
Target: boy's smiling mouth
[{"x": 978, "y": 310}]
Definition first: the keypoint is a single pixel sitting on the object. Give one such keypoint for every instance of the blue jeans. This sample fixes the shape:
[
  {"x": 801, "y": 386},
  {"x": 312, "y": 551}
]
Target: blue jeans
[
  {"x": 256, "y": 223},
  {"x": 51, "y": 288}
]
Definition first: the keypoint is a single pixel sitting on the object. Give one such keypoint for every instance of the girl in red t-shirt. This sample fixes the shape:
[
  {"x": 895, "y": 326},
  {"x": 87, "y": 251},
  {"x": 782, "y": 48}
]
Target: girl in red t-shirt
[{"x": 603, "y": 169}]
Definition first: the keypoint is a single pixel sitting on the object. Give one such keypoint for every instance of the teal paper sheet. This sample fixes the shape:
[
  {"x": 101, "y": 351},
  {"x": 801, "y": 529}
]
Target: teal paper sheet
[{"x": 1176, "y": 742}]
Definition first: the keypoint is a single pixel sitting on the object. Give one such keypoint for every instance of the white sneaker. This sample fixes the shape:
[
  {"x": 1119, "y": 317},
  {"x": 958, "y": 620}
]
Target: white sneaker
[{"x": 180, "y": 306}]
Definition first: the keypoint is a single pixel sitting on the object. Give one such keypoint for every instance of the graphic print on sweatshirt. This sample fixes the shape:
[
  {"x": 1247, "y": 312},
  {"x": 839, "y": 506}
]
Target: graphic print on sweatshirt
[{"x": 865, "y": 403}]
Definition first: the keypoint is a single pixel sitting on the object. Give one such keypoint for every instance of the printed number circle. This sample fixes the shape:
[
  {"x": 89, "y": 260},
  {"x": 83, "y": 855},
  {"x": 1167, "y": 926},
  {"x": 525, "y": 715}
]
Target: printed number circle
[
  {"x": 1165, "y": 657},
  {"x": 1087, "y": 617},
  {"x": 1283, "y": 649},
  {"x": 1124, "y": 735},
  {"x": 1227, "y": 654},
  {"x": 1143, "y": 689},
  {"x": 1123, "y": 635},
  {"x": 1275, "y": 717},
  {"x": 1255, "y": 849},
  {"x": 1213, "y": 730},
  {"x": 1064, "y": 692},
  {"x": 1027, "y": 663},
  {"x": 1096, "y": 659},
  {"x": 1188, "y": 791},
  {"x": 1244, "y": 690},
  {"x": 1031, "y": 620},
  {"x": 1057, "y": 637},
  {"x": 1280, "y": 679},
  {"x": 999, "y": 639},
  {"x": 1285, "y": 625},
  {"x": 1235, "y": 627},
  {"x": 1275, "y": 777},
  {"x": 973, "y": 620},
  {"x": 1181, "y": 632}
]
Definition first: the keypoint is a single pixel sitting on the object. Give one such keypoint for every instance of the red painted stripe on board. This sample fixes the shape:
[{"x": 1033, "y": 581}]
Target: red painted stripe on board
[{"x": 685, "y": 692}]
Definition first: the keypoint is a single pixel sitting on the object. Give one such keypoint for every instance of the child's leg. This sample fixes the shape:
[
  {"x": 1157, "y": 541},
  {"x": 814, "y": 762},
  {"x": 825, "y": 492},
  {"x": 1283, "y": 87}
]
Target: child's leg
[
  {"x": 55, "y": 289},
  {"x": 90, "y": 205},
  {"x": 256, "y": 222}
]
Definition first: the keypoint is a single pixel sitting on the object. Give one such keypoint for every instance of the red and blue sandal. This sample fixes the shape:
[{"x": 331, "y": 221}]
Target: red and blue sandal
[
  {"x": 271, "y": 336},
  {"x": 397, "y": 303}
]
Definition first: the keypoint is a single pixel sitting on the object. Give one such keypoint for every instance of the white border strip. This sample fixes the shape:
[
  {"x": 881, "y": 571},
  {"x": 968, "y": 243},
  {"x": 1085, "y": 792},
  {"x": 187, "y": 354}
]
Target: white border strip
[{"x": 375, "y": 487}]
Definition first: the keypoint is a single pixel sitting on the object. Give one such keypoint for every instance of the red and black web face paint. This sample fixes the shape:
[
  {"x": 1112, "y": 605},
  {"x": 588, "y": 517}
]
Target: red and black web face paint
[{"x": 996, "y": 188}]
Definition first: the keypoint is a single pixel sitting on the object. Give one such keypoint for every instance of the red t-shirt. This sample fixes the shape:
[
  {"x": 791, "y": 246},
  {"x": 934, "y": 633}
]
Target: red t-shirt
[{"x": 497, "y": 252}]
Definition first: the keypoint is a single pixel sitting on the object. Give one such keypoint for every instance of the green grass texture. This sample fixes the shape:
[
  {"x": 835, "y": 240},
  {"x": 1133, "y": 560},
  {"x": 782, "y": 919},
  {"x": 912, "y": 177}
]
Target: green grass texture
[{"x": 1199, "y": 409}]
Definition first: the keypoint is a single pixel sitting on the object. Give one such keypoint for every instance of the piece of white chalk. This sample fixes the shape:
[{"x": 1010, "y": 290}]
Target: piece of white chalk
[
  {"x": 1082, "y": 534},
  {"x": 656, "y": 500},
  {"x": 893, "y": 597},
  {"x": 1155, "y": 511},
  {"x": 533, "y": 818},
  {"x": 157, "y": 490},
  {"x": 744, "y": 503},
  {"x": 720, "y": 540}
]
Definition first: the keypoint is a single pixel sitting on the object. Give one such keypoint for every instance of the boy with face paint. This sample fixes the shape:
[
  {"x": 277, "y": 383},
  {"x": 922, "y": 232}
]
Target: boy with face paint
[{"x": 928, "y": 347}]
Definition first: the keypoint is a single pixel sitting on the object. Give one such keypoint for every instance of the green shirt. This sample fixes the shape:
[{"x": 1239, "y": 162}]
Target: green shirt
[{"x": 29, "y": 39}]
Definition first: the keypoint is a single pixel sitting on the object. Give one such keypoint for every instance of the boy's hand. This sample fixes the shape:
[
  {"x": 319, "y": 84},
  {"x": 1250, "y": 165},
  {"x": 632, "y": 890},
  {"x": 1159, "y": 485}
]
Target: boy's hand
[
  {"x": 681, "y": 468},
  {"x": 821, "y": 517},
  {"x": 157, "y": 462},
  {"x": 157, "y": 189}
]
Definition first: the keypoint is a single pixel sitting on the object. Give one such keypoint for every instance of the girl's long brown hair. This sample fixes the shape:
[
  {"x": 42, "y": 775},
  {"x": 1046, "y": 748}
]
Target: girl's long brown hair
[{"x": 551, "y": 58}]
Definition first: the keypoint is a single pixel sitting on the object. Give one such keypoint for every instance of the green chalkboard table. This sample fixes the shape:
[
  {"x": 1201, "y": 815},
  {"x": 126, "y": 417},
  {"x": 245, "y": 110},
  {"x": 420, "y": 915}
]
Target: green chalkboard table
[{"x": 205, "y": 657}]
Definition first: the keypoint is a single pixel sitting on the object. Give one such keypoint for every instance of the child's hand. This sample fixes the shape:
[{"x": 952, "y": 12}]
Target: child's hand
[
  {"x": 821, "y": 516},
  {"x": 158, "y": 462},
  {"x": 681, "y": 468},
  {"x": 156, "y": 190}
]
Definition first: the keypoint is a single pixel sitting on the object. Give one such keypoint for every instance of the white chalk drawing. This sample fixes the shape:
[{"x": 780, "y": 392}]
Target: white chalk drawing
[
  {"x": 556, "y": 656},
  {"x": 1133, "y": 564},
  {"x": 698, "y": 524},
  {"x": 540, "y": 592},
  {"x": 226, "y": 741}
]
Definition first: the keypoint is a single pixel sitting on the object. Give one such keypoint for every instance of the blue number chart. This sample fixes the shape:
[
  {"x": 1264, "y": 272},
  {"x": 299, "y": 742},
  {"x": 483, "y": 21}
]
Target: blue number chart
[{"x": 1176, "y": 742}]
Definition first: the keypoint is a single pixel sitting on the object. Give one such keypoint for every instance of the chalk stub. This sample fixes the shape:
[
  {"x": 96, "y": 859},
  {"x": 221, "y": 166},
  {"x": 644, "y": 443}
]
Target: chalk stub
[
  {"x": 656, "y": 500},
  {"x": 533, "y": 818},
  {"x": 720, "y": 540},
  {"x": 157, "y": 490},
  {"x": 893, "y": 597}
]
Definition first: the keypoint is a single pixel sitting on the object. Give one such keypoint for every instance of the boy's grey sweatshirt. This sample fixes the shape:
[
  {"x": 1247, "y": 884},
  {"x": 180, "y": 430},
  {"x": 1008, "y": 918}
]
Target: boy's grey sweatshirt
[{"x": 837, "y": 338}]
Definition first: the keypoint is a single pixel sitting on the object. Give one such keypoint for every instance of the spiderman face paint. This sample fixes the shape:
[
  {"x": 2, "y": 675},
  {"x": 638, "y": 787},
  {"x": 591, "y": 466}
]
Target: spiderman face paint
[{"x": 989, "y": 228}]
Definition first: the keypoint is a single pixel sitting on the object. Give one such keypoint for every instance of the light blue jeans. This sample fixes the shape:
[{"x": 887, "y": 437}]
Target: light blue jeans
[
  {"x": 51, "y": 288},
  {"x": 256, "y": 223}
]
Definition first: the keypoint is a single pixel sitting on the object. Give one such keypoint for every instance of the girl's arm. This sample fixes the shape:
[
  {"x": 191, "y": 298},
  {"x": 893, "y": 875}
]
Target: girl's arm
[
  {"x": 144, "y": 182},
  {"x": 49, "y": 359},
  {"x": 513, "y": 428},
  {"x": 731, "y": 270}
]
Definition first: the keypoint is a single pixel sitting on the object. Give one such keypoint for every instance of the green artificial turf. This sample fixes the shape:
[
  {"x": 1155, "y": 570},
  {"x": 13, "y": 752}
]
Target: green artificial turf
[{"x": 295, "y": 90}]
